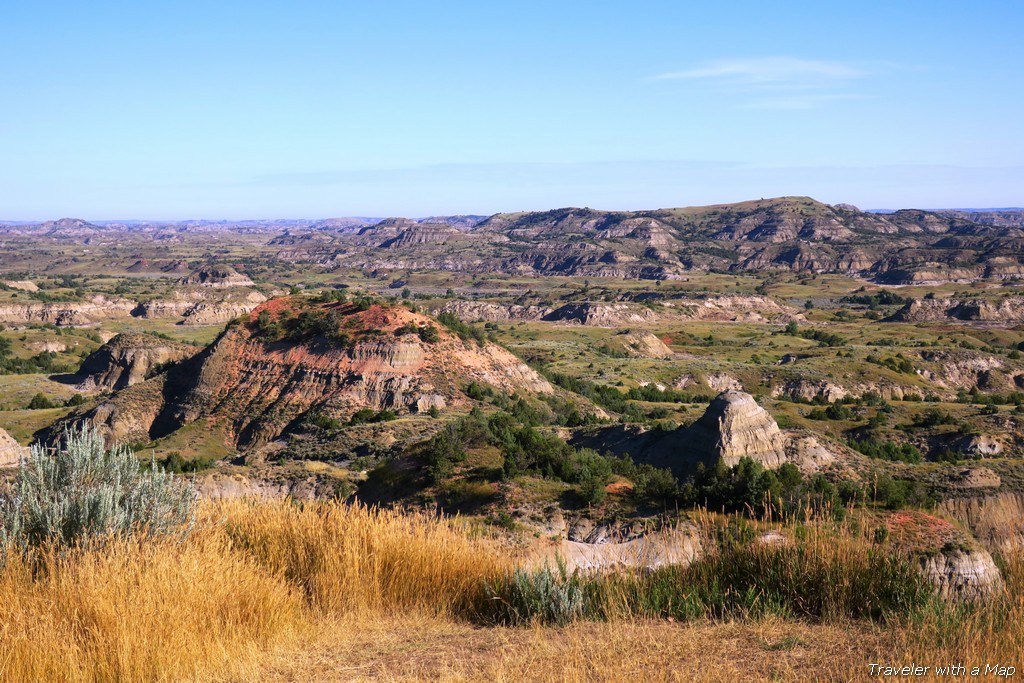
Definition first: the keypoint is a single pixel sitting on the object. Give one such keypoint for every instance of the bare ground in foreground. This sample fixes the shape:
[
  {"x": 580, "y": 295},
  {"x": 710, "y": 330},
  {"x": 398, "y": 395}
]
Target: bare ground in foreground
[{"x": 404, "y": 649}]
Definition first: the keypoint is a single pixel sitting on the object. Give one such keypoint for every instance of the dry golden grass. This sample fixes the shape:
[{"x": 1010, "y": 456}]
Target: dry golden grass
[
  {"x": 994, "y": 634},
  {"x": 325, "y": 592},
  {"x": 158, "y": 611},
  {"x": 357, "y": 559},
  {"x": 442, "y": 650}
]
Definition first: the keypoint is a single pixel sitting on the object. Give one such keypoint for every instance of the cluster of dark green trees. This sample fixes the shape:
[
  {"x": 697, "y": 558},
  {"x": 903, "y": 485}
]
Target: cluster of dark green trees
[
  {"x": 327, "y": 323},
  {"x": 528, "y": 450},
  {"x": 43, "y": 362}
]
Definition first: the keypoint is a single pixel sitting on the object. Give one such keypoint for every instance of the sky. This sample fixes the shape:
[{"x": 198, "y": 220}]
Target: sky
[{"x": 309, "y": 109}]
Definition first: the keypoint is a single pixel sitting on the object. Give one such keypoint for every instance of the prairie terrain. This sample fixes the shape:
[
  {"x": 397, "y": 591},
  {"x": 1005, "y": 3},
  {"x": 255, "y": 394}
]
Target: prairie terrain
[{"x": 717, "y": 389}]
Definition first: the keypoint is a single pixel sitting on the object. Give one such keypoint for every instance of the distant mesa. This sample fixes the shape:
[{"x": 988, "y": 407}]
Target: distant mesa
[
  {"x": 70, "y": 225},
  {"x": 464, "y": 221},
  {"x": 344, "y": 224}
]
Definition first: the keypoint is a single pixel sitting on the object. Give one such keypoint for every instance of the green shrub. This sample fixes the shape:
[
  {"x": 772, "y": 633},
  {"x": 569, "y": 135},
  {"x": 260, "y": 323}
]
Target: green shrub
[
  {"x": 84, "y": 493},
  {"x": 75, "y": 400},
  {"x": 40, "y": 402},
  {"x": 886, "y": 450},
  {"x": 174, "y": 462},
  {"x": 546, "y": 596}
]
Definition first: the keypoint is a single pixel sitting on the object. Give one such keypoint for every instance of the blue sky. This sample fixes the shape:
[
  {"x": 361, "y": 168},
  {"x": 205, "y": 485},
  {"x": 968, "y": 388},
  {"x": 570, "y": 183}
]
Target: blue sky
[{"x": 256, "y": 109}]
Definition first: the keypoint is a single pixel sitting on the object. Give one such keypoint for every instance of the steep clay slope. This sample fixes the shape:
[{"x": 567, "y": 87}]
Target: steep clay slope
[
  {"x": 295, "y": 357},
  {"x": 128, "y": 359}
]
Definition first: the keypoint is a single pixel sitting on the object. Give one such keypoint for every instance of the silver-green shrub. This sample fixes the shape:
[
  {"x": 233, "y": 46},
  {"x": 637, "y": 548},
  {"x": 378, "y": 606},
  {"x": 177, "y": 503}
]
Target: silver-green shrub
[
  {"x": 545, "y": 595},
  {"x": 83, "y": 493}
]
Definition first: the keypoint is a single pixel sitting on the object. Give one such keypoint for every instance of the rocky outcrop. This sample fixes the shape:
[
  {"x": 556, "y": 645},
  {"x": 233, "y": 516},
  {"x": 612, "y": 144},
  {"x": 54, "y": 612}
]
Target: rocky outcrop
[
  {"x": 1004, "y": 310},
  {"x": 218, "y": 277},
  {"x": 964, "y": 574},
  {"x": 640, "y": 344},
  {"x": 48, "y": 346},
  {"x": 734, "y": 426},
  {"x": 422, "y": 234},
  {"x": 128, "y": 359},
  {"x": 955, "y": 369},
  {"x": 737, "y": 309},
  {"x": 220, "y": 312},
  {"x": 720, "y": 381},
  {"x": 11, "y": 452},
  {"x": 199, "y": 307},
  {"x": 975, "y": 478},
  {"x": 601, "y": 315},
  {"x": 219, "y": 486},
  {"x": 811, "y": 390},
  {"x": 78, "y": 314},
  {"x": 259, "y": 387},
  {"x": 648, "y": 551},
  {"x": 978, "y": 445},
  {"x": 22, "y": 285},
  {"x": 808, "y": 453},
  {"x": 484, "y": 311},
  {"x": 949, "y": 558}
]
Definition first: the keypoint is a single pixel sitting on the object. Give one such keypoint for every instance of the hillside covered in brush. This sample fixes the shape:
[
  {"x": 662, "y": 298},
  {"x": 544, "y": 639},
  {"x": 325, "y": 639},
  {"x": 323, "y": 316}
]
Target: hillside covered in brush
[{"x": 301, "y": 358}]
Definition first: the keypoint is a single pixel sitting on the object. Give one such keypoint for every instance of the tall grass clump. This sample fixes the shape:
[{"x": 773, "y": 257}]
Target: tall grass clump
[
  {"x": 976, "y": 632},
  {"x": 129, "y": 611},
  {"x": 841, "y": 579},
  {"x": 84, "y": 493},
  {"x": 828, "y": 573},
  {"x": 355, "y": 559}
]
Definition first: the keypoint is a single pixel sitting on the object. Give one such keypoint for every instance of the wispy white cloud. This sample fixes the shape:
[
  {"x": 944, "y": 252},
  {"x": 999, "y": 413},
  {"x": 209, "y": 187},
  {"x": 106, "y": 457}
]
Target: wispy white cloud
[
  {"x": 784, "y": 71},
  {"x": 775, "y": 82}
]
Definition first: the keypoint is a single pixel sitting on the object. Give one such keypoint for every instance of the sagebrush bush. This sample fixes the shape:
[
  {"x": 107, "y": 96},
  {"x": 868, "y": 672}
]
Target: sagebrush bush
[
  {"x": 83, "y": 493},
  {"x": 548, "y": 596}
]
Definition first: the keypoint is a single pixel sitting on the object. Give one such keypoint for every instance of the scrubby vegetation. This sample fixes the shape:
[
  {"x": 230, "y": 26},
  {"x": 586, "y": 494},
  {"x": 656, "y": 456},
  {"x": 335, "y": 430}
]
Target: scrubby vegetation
[
  {"x": 827, "y": 575},
  {"x": 886, "y": 450},
  {"x": 258, "y": 579},
  {"x": 42, "y": 362},
  {"x": 524, "y": 450},
  {"x": 84, "y": 494}
]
